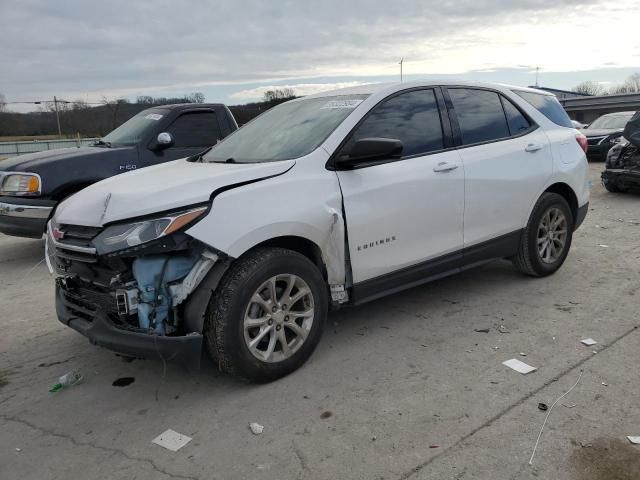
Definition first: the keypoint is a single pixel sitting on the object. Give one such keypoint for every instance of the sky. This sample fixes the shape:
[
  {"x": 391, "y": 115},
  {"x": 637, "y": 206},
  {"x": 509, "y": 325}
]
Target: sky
[{"x": 232, "y": 51}]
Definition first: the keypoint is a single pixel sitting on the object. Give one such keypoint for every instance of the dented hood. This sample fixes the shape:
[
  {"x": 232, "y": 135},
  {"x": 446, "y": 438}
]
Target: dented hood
[{"x": 156, "y": 189}]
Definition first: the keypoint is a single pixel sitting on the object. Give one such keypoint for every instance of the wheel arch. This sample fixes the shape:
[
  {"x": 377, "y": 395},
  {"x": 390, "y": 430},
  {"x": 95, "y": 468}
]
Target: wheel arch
[{"x": 565, "y": 191}]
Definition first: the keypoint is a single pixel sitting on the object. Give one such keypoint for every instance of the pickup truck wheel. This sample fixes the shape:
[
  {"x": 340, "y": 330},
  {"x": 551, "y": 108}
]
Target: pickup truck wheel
[
  {"x": 267, "y": 315},
  {"x": 545, "y": 242}
]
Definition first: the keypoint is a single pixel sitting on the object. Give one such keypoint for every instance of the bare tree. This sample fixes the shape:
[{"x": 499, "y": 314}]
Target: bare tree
[
  {"x": 278, "y": 94},
  {"x": 196, "y": 97},
  {"x": 114, "y": 107},
  {"x": 588, "y": 88},
  {"x": 3, "y": 103},
  {"x": 630, "y": 85}
]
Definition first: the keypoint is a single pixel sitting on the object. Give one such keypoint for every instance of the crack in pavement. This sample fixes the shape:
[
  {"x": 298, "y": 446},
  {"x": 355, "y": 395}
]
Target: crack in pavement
[
  {"x": 508, "y": 409},
  {"x": 113, "y": 451}
]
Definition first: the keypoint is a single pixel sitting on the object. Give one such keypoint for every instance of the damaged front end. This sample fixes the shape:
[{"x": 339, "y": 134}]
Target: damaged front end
[
  {"x": 623, "y": 160},
  {"x": 128, "y": 287}
]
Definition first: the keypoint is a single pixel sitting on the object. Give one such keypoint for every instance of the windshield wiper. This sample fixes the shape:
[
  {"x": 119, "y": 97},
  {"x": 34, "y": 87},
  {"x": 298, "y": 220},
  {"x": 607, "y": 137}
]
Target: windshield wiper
[
  {"x": 198, "y": 157},
  {"x": 102, "y": 143},
  {"x": 228, "y": 160}
]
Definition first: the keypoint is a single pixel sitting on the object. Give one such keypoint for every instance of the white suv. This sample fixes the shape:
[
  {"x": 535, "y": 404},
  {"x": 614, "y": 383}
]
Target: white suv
[{"x": 325, "y": 201}]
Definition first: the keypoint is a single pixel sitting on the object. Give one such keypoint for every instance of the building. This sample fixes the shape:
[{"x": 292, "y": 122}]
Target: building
[{"x": 587, "y": 109}]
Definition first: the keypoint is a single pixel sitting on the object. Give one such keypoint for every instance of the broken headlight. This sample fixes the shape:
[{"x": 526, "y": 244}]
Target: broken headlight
[{"x": 126, "y": 235}]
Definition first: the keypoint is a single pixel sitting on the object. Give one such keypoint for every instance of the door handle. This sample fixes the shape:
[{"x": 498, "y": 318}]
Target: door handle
[
  {"x": 533, "y": 147},
  {"x": 444, "y": 167}
]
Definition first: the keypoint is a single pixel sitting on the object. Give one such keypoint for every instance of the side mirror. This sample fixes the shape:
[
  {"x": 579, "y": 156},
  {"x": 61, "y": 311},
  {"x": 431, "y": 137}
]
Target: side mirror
[
  {"x": 368, "y": 150},
  {"x": 163, "y": 140}
]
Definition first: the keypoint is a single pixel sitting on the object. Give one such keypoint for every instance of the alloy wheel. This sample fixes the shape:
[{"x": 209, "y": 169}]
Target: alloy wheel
[{"x": 552, "y": 235}]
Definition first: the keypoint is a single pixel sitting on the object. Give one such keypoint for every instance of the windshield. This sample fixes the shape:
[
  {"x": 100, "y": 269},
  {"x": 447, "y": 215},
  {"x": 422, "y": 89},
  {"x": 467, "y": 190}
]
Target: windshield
[
  {"x": 610, "y": 122},
  {"x": 134, "y": 129},
  {"x": 290, "y": 130}
]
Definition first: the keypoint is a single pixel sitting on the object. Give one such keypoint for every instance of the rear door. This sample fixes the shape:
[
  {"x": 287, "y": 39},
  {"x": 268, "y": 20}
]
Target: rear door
[
  {"x": 507, "y": 160},
  {"x": 404, "y": 212}
]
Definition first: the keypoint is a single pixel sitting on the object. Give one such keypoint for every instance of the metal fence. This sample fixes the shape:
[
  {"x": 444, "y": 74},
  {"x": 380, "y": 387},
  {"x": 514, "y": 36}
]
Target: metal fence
[{"x": 11, "y": 149}]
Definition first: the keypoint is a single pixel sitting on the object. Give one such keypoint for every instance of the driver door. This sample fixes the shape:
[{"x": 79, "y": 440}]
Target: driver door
[{"x": 404, "y": 216}]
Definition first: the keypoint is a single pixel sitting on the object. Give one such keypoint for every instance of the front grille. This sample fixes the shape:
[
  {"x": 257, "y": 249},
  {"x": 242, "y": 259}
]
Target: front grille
[
  {"x": 595, "y": 140},
  {"x": 74, "y": 243}
]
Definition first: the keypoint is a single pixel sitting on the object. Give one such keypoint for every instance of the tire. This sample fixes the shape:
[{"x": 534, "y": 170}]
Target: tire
[
  {"x": 233, "y": 305},
  {"x": 529, "y": 260}
]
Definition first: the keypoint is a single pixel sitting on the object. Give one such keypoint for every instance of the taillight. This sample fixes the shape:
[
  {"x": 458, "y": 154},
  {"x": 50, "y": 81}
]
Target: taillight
[{"x": 582, "y": 141}]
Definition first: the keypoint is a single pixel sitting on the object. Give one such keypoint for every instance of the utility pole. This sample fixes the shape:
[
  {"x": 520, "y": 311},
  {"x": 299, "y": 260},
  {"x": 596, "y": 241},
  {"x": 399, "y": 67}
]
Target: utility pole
[
  {"x": 401, "y": 62},
  {"x": 537, "y": 70},
  {"x": 55, "y": 103}
]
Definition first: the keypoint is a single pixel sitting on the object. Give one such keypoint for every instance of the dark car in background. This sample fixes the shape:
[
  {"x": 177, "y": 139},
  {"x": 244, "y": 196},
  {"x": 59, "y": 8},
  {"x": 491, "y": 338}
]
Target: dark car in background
[
  {"x": 604, "y": 132},
  {"x": 32, "y": 185}
]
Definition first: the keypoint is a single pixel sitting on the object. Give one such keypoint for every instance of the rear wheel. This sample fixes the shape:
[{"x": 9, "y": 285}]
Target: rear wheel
[
  {"x": 267, "y": 315},
  {"x": 545, "y": 243}
]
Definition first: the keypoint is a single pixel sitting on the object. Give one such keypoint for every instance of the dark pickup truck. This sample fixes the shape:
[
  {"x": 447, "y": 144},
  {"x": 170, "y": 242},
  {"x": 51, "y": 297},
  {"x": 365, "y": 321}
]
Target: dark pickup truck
[{"x": 32, "y": 185}]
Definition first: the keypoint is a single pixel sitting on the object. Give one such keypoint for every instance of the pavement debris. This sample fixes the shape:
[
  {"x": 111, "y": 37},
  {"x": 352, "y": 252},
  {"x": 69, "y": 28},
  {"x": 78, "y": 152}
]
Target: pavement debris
[
  {"x": 603, "y": 246},
  {"x": 69, "y": 379},
  {"x": 522, "y": 354},
  {"x": 519, "y": 366},
  {"x": 19, "y": 449},
  {"x": 123, "y": 381},
  {"x": 171, "y": 440},
  {"x": 605, "y": 384},
  {"x": 503, "y": 329},
  {"x": 543, "y": 406},
  {"x": 588, "y": 342},
  {"x": 482, "y": 330},
  {"x": 569, "y": 406},
  {"x": 632, "y": 439},
  {"x": 256, "y": 428}
]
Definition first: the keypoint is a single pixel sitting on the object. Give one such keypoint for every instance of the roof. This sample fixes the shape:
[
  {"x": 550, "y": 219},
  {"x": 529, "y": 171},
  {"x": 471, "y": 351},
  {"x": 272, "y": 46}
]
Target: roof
[
  {"x": 188, "y": 106},
  {"x": 371, "y": 88}
]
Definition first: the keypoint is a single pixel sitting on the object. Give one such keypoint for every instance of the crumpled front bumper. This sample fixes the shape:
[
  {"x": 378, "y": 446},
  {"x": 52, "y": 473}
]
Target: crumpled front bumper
[
  {"x": 100, "y": 330},
  {"x": 621, "y": 178}
]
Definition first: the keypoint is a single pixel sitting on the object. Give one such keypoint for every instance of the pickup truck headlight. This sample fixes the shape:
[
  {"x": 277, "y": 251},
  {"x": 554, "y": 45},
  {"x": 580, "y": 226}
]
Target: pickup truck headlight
[
  {"x": 20, "y": 184},
  {"x": 127, "y": 235}
]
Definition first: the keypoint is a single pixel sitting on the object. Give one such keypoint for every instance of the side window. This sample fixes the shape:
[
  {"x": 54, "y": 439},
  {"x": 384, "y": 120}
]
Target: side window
[
  {"x": 549, "y": 106},
  {"x": 479, "y": 114},
  {"x": 517, "y": 122},
  {"x": 410, "y": 117},
  {"x": 195, "y": 129}
]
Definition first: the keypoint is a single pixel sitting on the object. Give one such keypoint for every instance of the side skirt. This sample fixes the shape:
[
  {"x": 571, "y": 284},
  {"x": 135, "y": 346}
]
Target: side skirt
[{"x": 501, "y": 247}]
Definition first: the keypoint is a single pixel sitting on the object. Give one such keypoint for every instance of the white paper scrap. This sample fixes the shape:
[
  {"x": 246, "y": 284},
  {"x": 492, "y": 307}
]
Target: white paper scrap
[
  {"x": 349, "y": 103},
  {"x": 519, "y": 366},
  {"x": 256, "y": 428},
  {"x": 634, "y": 440},
  {"x": 588, "y": 342},
  {"x": 171, "y": 440},
  {"x": 604, "y": 246}
]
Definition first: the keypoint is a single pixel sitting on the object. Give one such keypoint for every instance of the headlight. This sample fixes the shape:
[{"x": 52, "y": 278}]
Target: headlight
[
  {"x": 21, "y": 184},
  {"x": 617, "y": 139},
  {"x": 126, "y": 235}
]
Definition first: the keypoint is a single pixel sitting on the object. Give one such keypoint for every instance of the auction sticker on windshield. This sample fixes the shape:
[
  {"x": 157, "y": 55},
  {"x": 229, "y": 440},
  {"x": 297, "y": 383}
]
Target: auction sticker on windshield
[
  {"x": 153, "y": 116},
  {"x": 353, "y": 103}
]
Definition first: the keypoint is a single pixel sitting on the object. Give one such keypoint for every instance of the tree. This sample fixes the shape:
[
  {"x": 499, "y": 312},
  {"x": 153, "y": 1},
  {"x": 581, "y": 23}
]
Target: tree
[
  {"x": 630, "y": 85},
  {"x": 279, "y": 94},
  {"x": 588, "y": 88},
  {"x": 196, "y": 97},
  {"x": 3, "y": 103}
]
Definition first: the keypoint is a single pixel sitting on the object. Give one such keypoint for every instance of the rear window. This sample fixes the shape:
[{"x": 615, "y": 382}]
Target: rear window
[{"x": 549, "y": 106}]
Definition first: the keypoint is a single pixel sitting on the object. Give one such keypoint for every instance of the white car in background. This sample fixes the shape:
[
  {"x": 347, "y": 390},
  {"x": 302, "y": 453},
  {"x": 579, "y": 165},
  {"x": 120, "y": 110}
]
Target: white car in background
[{"x": 322, "y": 202}]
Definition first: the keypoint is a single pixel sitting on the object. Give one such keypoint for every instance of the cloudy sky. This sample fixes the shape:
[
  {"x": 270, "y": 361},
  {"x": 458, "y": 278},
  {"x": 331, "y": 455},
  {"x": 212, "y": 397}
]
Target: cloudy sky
[{"x": 233, "y": 50}]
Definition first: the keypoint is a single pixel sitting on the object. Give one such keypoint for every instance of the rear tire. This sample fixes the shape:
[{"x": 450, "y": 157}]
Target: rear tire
[
  {"x": 267, "y": 315},
  {"x": 545, "y": 242}
]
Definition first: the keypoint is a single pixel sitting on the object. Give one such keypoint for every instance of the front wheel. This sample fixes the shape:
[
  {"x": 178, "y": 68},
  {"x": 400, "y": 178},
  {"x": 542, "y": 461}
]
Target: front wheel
[
  {"x": 267, "y": 314},
  {"x": 545, "y": 242}
]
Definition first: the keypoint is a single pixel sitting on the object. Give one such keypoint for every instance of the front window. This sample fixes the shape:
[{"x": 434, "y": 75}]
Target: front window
[
  {"x": 290, "y": 130},
  {"x": 136, "y": 128},
  {"x": 610, "y": 122}
]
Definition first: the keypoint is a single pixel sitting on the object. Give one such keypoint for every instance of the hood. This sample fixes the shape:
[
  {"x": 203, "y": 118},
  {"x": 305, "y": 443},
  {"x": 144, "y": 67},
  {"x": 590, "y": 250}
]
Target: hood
[
  {"x": 32, "y": 162},
  {"x": 599, "y": 132},
  {"x": 157, "y": 189}
]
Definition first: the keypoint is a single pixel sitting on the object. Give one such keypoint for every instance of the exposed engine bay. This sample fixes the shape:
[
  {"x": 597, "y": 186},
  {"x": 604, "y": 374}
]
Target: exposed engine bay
[{"x": 142, "y": 289}]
